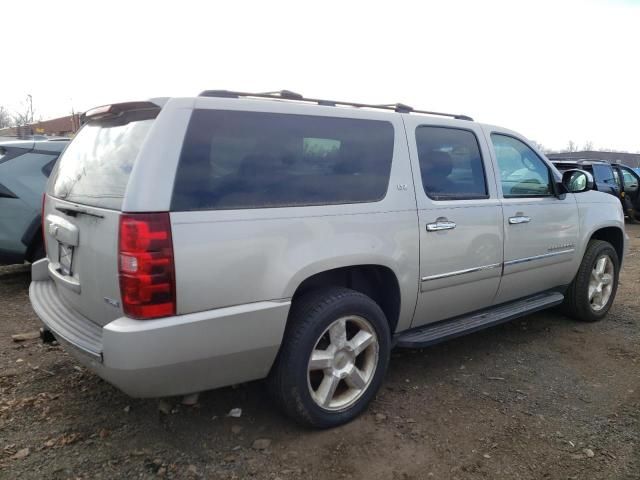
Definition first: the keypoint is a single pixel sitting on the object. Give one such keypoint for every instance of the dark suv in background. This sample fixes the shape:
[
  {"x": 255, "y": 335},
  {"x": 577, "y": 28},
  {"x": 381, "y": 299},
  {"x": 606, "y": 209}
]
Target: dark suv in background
[
  {"x": 615, "y": 179},
  {"x": 25, "y": 166}
]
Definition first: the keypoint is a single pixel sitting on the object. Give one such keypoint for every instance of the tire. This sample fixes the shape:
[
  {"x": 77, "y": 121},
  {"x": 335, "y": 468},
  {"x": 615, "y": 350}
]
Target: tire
[
  {"x": 304, "y": 391},
  {"x": 577, "y": 303}
]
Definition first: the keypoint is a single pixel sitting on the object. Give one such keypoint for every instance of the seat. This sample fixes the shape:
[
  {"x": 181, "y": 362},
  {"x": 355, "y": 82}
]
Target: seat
[{"x": 435, "y": 168}]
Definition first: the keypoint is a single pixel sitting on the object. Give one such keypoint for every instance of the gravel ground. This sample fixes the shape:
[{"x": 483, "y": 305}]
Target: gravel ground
[{"x": 540, "y": 398}]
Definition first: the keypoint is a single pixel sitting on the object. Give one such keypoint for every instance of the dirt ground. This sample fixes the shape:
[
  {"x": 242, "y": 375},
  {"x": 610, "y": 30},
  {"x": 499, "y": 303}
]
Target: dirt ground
[{"x": 544, "y": 397}]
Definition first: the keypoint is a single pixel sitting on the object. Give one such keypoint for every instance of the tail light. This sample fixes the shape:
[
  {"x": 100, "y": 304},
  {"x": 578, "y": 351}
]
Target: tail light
[{"x": 145, "y": 265}]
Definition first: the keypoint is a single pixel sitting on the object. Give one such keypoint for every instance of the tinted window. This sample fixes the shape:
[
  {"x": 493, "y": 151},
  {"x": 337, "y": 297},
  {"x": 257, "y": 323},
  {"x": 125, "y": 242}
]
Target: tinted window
[
  {"x": 94, "y": 169},
  {"x": 450, "y": 163},
  {"x": 603, "y": 173},
  {"x": 233, "y": 159},
  {"x": 522, "y": 172}
]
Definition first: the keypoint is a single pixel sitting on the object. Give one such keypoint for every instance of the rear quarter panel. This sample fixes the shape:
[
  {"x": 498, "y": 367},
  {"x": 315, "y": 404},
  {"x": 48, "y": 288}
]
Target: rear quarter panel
[{"x": 234, "y": 257}]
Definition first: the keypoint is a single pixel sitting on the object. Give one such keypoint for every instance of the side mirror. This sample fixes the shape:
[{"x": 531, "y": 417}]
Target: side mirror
[{"x": 576, "y": 181}]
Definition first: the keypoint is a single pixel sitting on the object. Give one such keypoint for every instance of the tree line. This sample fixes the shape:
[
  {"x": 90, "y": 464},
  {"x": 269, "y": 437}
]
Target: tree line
[{"x": 25, "y": 115}]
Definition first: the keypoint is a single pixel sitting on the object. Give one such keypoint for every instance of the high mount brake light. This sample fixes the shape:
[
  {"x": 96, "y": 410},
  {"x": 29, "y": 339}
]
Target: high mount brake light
[
  {"x": 118, "y": 109},
  {"x": 145, "y": 265}
]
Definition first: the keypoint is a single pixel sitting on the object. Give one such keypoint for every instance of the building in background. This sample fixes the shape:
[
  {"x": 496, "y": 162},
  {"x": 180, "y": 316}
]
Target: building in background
[
  {"x": 56, "y": 127},
  {"x": 629, "y": 159}
]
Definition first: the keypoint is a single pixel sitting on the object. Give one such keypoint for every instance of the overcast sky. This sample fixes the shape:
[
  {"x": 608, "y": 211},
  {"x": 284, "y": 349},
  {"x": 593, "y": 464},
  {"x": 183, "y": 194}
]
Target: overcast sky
[{"x": 553, "y": 70}]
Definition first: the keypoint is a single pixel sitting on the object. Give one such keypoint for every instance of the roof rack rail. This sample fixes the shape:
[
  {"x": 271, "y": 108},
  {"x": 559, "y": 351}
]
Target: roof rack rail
[{"x": 289, "y": 95}]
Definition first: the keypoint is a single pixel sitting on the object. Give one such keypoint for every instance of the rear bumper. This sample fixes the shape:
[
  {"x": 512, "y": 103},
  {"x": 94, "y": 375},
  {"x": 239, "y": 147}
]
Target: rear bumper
[{"x": 169, "y": 356}]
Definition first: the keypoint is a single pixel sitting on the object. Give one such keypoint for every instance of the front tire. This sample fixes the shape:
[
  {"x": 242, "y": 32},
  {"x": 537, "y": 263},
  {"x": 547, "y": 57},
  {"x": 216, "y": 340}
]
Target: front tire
[
  {"x": 333, "y": 358},
  {"x": 591, "y": 294}
]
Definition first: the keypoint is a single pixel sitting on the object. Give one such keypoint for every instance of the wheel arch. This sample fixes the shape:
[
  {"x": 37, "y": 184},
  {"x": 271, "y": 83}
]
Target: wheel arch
[
  {"x": 612, "y": 235},
  {"x": 377, "y": 281}
]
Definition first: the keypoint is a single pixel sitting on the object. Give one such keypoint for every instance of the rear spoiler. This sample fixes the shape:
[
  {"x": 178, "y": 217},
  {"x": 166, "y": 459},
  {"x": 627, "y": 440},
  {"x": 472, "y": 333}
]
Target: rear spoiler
[{"x": 116, "y": 109}]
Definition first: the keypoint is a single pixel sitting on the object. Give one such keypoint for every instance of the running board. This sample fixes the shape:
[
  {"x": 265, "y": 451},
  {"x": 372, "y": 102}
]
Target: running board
[{"x": 439, "y": 332}]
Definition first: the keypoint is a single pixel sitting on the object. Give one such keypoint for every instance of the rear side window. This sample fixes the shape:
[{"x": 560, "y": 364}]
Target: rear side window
[
  {"x": 235, "y": 159},
  {"x": 450, "y": 163},
  {"x": 95, "y": 167}
]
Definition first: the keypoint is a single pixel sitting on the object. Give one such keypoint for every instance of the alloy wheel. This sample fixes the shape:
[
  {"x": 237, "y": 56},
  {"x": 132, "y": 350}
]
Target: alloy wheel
[{"x": 342, "y": 363}]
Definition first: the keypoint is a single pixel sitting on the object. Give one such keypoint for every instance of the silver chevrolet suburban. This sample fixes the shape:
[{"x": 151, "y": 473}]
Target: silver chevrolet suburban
[{"x": 194, "y": 243}]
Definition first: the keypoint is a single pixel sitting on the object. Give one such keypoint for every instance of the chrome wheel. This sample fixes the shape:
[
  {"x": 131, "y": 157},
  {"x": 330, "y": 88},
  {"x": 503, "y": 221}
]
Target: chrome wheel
[
  {"x": 343, "y": 363},
  {"x": 601, "y": 282}
]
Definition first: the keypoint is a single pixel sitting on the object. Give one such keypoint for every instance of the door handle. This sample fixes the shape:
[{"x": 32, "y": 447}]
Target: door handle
[
  {"x": 439, "y": 225},
  {"x": 519, "y": 219}
]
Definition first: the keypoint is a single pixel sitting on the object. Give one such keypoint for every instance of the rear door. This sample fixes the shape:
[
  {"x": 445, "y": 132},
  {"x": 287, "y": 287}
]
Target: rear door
[
  {"x": 82, "y": 210},
  {"x": 540, "y": 228},
  {"x": 460, "y": 220}
]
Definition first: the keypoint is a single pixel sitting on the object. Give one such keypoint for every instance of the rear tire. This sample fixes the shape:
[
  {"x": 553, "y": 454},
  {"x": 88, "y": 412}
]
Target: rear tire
[
  {"x": 591, "y": 294},
  {"x": 333, "y": 357}
]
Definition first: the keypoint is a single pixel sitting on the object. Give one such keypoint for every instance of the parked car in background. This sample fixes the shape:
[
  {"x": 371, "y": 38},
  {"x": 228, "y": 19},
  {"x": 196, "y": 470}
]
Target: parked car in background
[
  {"x": 616, "y": 179},
  {"x": 604, "y": 177},
  {"x": 194, "y": 243},
  {"x": 25, "y": 166},
  {"x": 630, "y": 190}
]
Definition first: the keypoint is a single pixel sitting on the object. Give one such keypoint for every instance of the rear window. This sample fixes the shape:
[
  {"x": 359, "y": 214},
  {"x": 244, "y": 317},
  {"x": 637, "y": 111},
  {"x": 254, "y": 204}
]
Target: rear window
[
  {"x": 95, "y": 167},
  {"x": 234, "y": 159}
]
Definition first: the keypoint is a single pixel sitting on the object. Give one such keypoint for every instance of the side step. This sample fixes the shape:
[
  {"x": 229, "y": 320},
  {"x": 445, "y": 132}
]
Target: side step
[{"x": 447, "y": 329}]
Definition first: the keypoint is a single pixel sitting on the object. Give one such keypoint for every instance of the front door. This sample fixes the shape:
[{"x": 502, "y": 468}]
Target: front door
[
  {"x": 540, "y": 228},
  {"x": 460, "y": 220},
  {"x": 630, "y": 182}
]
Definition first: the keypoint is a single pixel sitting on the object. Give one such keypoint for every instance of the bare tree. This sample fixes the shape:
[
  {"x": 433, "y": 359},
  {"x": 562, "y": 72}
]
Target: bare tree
[
  {"x": 588, "y": 145},
  {"x": 572, "y": 146},
  {"x": 25, "y": 116},
  {"x": 5, "y": 118},
  {"x": 540, "y": 146}
]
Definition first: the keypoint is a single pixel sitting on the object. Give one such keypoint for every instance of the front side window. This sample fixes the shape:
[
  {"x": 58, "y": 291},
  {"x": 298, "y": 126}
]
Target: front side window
[
  {"x": 236, "y": 160},
  {"x": 522, "y": 172},
  {"x": 450, "y": 163},
  {"x": 630, "y": 181}
]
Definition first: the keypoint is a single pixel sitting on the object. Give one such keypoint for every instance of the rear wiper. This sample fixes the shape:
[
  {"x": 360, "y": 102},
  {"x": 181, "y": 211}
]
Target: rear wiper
[{"x": 74, "y": 211}]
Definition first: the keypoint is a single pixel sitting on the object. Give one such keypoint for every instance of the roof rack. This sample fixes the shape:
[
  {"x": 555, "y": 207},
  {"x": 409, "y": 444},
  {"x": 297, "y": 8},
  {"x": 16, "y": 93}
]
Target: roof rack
[{"x": 289, "y": 95}]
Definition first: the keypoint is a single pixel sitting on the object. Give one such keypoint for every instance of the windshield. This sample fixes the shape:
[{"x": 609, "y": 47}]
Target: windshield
[{"x": 95, "y": 167}]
